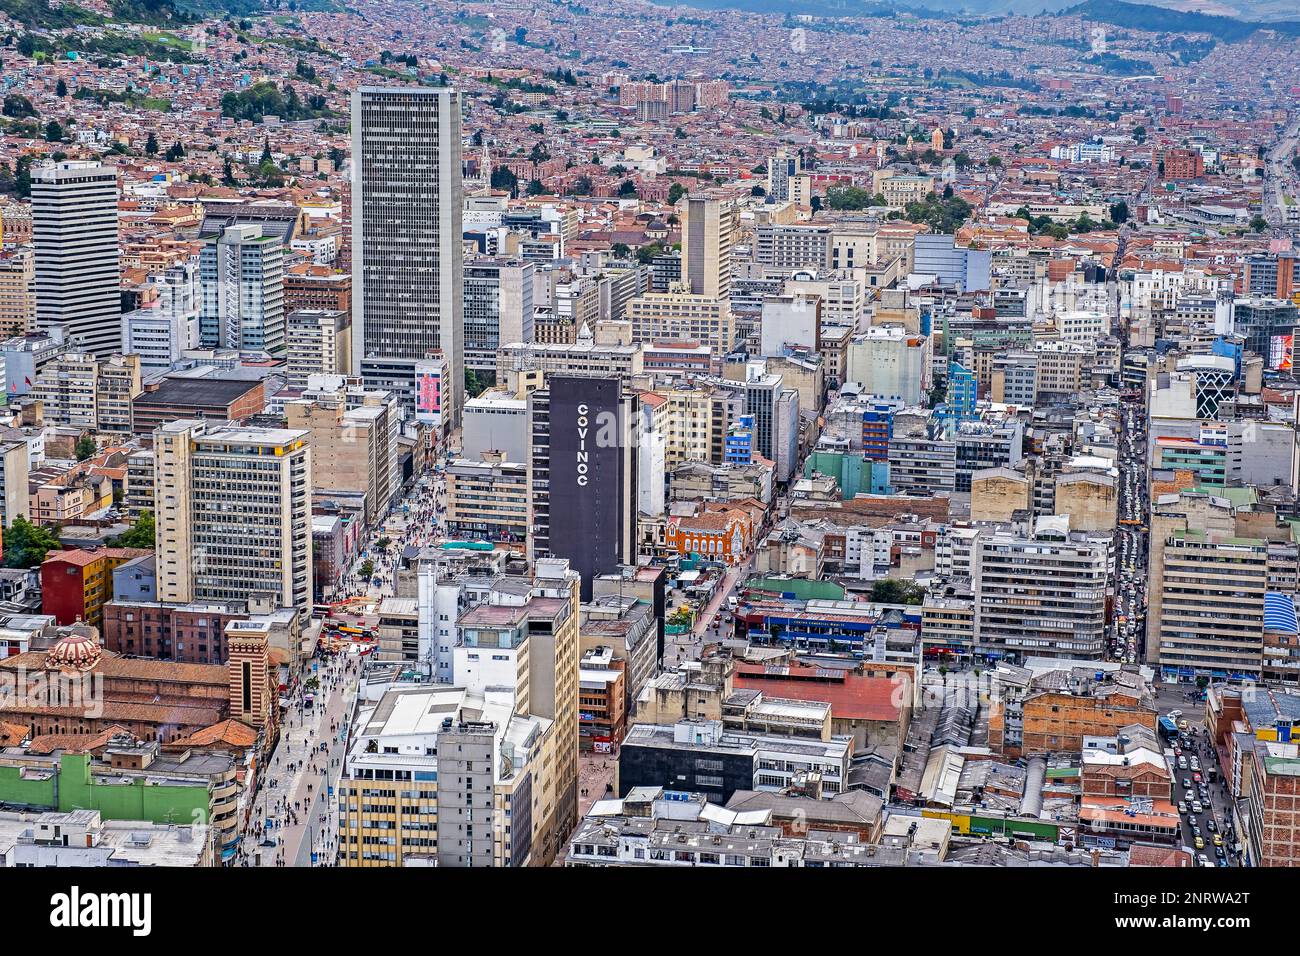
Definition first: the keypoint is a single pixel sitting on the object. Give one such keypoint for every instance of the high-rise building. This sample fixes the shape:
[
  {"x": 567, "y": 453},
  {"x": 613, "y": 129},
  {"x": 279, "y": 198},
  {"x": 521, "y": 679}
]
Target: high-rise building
[
  {"x": 781, "y": 168},
  {"x": 242, "y": 275},
  {"x": 233, "y": 514},
  {"x": 584, "y": 446},
  {"x": 1207, "y": 590},
  {"x": 408, "y": 284},
  {"x": 498, "y": 309},
  {"x": 17, "y": 292},
  {"x": 1041, "y": 595},
  {"x": 319, "y": 342},
  {"x": 74, "y": 230},
  {"x": 15, "y": 497},
  {"x": 709, "y": 229}
]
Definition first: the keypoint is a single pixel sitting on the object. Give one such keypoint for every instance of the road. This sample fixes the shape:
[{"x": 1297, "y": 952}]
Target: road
[
  {"x": 287, "y": 809},
  {"x": 1216, "y": 813},
  {"x": 293, "y": 814},
  {"x": 1280, "y": 175}
]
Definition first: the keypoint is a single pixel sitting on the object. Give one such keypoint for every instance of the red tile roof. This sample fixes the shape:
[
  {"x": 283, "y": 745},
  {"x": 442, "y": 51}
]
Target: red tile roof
[{"x": 851, "y": 696}]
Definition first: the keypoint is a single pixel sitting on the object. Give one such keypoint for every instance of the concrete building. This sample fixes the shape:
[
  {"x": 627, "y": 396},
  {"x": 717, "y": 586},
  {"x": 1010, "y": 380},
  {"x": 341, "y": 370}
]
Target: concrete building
[
  {"x": 353, "y": 441},
  {"x": 241, "y": 270},
  {"x": 889, "y": 362},
  {"x": 1041, "y": 595},
  {"x": 709, "y": 228},
  {"x": 487, "y": 499},
  {"x": 233, "y": 514},
  {"x": 75, "y": 234},
  {"x": 317, "y": 342},
  {"x": 17, "y": 292},
  {"x": 406, "y": 239},
  {"x": 498, "y": 308}
]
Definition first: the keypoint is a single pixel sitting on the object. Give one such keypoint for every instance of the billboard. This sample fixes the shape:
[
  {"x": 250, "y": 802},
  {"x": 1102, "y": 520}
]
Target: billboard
[
  {"x": 588, "y": 476},
  {"x": 1280, "y": 348},
  {"x": 428, "y": 391}
]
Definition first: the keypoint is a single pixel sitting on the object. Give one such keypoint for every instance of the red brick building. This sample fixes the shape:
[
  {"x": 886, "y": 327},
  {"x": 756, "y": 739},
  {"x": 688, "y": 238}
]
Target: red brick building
[
  {"x": 75, "y": 585},
  {"x": 189, "y": 633}
]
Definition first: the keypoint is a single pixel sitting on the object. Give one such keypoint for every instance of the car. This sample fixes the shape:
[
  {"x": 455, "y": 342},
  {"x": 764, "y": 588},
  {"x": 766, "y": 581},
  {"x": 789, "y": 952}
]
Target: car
[
  {"x": 1183, "y": 725},
  {"x": 1190, "y": 797},
  {"x": 1220, "y": 853},
  {"x": 1200, "y": 843},
  {"x": 1178, "y": 751},
  {"x": 1187, "y": 783},
  {"x": 1182, "y": 807},
  {"x": 1203, "y": 860},
  {"x": 1196, "y": 763},
  {"x": 1222, "y": 861},
  {"x": 1196, "y": 831},
  {"x": 1197, "y": 808},
  {"x": 1211, "y": 825},
  {"x": 1196, "y": 777},
  {"x": 1182, "y": 763}
]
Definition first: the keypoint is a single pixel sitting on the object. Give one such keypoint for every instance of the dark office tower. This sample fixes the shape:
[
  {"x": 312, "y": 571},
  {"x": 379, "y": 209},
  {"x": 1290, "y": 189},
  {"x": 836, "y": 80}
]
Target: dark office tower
[
  {"x": 74, "y": 230},
  {"x": 406, "y": 239},
  {"x": 584, "y": 441}
]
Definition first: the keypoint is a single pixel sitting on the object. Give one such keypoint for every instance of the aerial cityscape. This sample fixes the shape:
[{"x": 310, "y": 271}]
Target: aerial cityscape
[{"x": 573, "y": 434}]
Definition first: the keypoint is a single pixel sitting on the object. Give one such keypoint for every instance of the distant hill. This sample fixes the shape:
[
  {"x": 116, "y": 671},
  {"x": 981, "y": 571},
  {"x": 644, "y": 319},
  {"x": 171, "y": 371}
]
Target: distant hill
[
  {"x": 1160, "y": 16},
  {"x": 1140, "y": 16}
]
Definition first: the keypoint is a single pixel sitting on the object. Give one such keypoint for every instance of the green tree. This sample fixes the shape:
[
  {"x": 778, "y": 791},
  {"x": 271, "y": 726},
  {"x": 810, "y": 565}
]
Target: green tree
[
  {"x": 151, "y": 145},
  {"x": 85, "y": 447},
  {"x": 473, "y": 384},
  {"x": 140, "y": 535},
  {"x": 26, "y": 544},
  {"x": 1259, "y": 223},
  {"x": 60, "y": 89},
  {"x": 367, "y": 569},
  {"x": 675, "y": 192},
  {"x": 892, "y": 591},
  {"x": 53, "y": 132},
  {"x": 1119, "y": 212}
]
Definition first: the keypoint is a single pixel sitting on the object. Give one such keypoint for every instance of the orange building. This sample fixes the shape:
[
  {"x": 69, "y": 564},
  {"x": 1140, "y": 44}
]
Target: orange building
[
  {"x": 1057, "y": 721},
  {"x": 717, "y": 535}
]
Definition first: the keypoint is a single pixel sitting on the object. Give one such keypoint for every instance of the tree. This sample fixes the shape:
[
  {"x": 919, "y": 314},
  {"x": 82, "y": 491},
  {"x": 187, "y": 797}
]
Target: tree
[
  {"x": 26, "y": 544},
  {"x": 621, "y": 250},
  {"x": 53, "y": 132},
  {"x": 473, "y": 384},
  {"x": 18, "y": 106},
  {"x": 266, "y": 152},
  {"x": 151, "y": 145},
  {"x": 627, "y": 188},
  {"x": 1119, "y": 212},
  {"x": 175, "y": 152},
  {"x": 85, "y": 447},
  {"x": 60, "y": 89},
  {"x": 367, "y": 569},
  {"x": 675, "y": 192},
  {"x": 141, "y": 534},
  {"x": 1259, "y": 223},
  {"x": 892, "y": 591}
]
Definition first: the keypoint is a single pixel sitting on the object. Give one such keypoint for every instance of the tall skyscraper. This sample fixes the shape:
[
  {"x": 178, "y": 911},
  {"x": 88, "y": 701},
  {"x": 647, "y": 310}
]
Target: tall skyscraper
[
  {"x": 406, "y": 239},
  {"x": 74, "y": 230},
  {"x": 708, "y": 231},
  {"x": 584, "y": 447}
]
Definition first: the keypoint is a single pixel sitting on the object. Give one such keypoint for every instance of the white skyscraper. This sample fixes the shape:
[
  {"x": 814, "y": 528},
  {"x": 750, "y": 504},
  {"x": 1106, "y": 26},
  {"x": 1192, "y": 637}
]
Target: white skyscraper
[
  {"x": 406, "y": 239},
  {"x": 74, "y": 230}
]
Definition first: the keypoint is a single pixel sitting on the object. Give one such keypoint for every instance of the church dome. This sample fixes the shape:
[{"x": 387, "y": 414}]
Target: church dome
[{"x": 78, "y": 651}]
